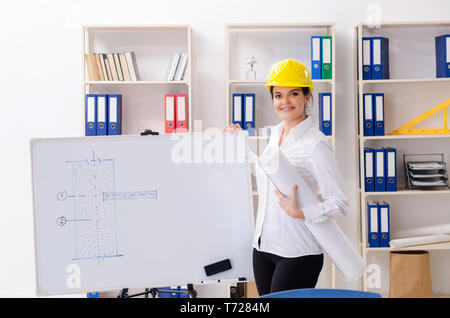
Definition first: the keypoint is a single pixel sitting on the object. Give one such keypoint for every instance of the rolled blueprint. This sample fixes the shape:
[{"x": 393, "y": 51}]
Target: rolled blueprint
[
  {"x": 425, "y": 230},
  {"x": 420, "y": 240},
  {"x": 328, "y": 234}
]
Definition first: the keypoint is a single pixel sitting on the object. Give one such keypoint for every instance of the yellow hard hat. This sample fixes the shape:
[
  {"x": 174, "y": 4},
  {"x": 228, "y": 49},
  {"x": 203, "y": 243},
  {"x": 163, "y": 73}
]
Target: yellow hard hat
[{"x": 291, "y": 73}]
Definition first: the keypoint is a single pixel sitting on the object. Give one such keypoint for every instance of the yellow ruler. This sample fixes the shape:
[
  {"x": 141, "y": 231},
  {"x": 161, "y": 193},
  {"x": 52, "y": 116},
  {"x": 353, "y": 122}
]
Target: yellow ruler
[{"x": 408, "y": 130}]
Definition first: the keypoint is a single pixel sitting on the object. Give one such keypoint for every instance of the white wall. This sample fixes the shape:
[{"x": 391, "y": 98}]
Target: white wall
[{"x": 41, "y": 93}]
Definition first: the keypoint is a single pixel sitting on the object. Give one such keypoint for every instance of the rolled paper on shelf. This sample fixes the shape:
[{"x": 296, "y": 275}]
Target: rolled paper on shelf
[
  {"x": 420, "y": 240},
  {"x": 328, "y": 234},
  {"x": 425, "y": 230}
]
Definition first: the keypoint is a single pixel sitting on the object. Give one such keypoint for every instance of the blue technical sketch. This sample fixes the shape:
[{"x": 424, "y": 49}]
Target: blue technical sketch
[{"x": 94, "y": 209}]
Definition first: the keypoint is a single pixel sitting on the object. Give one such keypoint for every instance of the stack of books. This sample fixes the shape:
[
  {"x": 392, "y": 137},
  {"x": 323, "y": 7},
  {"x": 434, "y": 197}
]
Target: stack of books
[
  {"x": 112, "y": 66},
  {"x": 177, "y": 67}
]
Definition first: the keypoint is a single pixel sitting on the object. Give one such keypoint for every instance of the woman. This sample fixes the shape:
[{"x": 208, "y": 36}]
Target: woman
[{"x": 286, "y": 255}]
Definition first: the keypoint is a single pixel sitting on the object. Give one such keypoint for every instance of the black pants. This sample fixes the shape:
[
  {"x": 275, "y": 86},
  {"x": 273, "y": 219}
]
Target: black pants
[{"x": 274, "y": 273}]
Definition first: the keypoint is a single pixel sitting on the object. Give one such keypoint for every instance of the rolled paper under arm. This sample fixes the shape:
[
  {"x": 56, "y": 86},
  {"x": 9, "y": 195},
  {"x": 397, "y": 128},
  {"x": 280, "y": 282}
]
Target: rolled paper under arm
[{"x": 328, "y": 234}]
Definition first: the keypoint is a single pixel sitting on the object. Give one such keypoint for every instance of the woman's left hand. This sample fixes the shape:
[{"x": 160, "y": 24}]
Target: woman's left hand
[{"x": 289, "y": 204}]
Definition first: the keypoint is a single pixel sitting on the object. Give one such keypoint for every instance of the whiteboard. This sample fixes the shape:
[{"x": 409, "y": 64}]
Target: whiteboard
[{"x": 114, "y": 212}]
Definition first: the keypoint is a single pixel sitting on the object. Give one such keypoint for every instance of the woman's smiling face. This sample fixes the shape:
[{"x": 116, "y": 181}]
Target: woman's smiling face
[{"x": 289, "y": 103}]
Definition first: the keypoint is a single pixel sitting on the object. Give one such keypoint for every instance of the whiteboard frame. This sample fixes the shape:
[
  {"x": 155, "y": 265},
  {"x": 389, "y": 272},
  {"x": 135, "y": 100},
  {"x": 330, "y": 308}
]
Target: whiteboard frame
[{"x": 122, "y": 137}]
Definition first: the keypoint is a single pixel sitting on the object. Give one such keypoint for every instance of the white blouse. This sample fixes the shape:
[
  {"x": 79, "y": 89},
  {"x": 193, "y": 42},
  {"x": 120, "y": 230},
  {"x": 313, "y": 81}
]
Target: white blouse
[{"x": 309, "y": 150}]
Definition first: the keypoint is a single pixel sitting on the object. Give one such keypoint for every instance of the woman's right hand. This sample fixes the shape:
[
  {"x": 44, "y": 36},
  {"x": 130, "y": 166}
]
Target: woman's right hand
[{"x": 233, "y": 128}]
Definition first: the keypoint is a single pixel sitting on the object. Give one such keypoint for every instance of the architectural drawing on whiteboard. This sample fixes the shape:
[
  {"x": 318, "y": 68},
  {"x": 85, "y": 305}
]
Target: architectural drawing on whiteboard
[{"x": 94, "y": 209}]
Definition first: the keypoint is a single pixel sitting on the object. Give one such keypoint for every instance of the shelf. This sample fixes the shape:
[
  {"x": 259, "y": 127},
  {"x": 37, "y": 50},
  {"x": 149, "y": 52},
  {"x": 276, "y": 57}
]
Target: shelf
[
  {"x": 405, "y": 192},
  {"x": 404, "y": 97},
  {"x": 401, "y": 137},
  {"x": 153, "y": 46},
  {"x": 291, "y": 40},
  {"x": 406, "y": 80},
  {"x": 135, "y": 27},
  {"x": 135, "y": 82},
  {"x": 396, "y": 24},
  {"x": 269, "y": 26},
  {"x": 428, "y": 247},
  {"x": 263, "y": 82}
]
